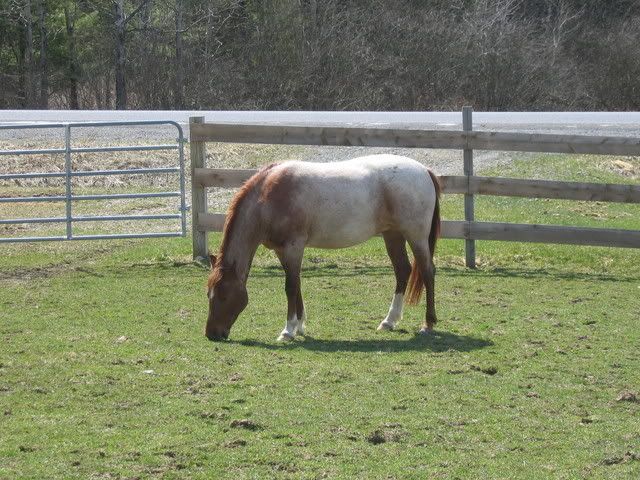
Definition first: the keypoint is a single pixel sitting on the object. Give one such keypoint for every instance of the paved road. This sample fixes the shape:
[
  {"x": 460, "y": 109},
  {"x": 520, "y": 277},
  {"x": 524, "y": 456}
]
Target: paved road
[{"x": 592, "y": 123}]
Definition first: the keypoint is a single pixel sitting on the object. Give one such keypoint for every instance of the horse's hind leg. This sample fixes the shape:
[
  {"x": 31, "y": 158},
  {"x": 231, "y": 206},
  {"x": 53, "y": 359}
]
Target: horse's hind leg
[
  {"x": 291, "y": 260},
  {"x": 300, "y": 312},
  {"x": 397, "y": 250},
  {"x": 424, "y": 261}
]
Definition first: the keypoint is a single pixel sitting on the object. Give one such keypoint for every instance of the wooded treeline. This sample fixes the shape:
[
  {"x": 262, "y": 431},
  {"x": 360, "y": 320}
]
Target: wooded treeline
[{"x": 320, "y": 54}]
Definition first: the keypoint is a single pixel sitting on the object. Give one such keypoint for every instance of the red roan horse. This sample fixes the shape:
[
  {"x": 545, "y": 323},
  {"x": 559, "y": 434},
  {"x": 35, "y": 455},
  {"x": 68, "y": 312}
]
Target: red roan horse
[{"x": 291, "y": 205}]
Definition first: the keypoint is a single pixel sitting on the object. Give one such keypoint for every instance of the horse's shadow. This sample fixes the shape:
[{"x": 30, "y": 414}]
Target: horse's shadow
[{"x": 436, "y": 342}]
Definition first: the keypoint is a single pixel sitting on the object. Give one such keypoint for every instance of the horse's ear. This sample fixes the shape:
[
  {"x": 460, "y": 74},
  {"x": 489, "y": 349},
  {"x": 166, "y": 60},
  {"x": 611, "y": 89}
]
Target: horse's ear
[{"x": 212, "y": 260}]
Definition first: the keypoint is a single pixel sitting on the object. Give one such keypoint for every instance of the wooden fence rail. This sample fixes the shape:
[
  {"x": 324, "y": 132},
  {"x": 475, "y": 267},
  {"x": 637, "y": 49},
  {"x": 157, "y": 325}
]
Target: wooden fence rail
[
  {"x": 505, "y": 187},
  {"x": 514, "y": 232},
  {"x": 468, "y": 184},
  {"x": 386, "y": 137}
]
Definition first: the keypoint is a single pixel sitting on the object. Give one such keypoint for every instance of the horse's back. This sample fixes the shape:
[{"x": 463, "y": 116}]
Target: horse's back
[{"x": 340, "y": 204}]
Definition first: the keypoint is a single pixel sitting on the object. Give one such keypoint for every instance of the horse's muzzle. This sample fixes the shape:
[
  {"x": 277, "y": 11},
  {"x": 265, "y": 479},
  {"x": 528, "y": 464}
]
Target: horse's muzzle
[{"x": 218, "y": 335}]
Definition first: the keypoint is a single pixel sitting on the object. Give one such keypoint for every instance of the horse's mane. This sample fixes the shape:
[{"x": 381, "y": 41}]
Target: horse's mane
[{"x": 230, "y": 220}]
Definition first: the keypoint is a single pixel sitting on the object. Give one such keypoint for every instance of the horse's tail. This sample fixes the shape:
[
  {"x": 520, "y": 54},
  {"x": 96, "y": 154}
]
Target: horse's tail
[
  {"x": 434, "y": 233},
  {"x": 416, "y": 282}
]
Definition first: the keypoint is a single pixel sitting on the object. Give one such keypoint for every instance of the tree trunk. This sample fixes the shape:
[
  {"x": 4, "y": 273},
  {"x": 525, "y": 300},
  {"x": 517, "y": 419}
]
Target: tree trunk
[
  {"x": 107, "y": 90},
  {"x": 149, "y": 55},
  {"x": 179, "y": 76},
  {"x": 121, "y": 88},
  {"x": 29, "y": 83},
  {"x": 44, "y": 67},
  {"x": 73, "y": 60}
]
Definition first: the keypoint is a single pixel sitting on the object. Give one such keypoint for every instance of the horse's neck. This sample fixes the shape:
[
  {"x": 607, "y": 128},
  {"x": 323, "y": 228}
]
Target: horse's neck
[{"x": 242, "y": 238}]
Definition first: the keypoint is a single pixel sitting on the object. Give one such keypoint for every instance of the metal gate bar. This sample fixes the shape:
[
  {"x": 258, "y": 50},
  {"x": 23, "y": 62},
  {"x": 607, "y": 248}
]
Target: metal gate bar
[
  {"x": 96, "y": 218},
  {"x": 124, "y": 148},
  {"x": 88, "y": 173},
  {"x": 105, "y": 196},
  {"x": 69, "y": 174}
]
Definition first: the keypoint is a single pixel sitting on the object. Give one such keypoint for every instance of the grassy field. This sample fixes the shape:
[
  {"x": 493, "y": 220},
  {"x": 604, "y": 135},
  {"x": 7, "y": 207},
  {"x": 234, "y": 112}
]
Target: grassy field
[{"x": 105, "y": 372}]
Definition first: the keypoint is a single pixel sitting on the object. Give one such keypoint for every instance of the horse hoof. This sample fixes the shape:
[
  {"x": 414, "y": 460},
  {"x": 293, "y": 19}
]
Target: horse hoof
[
  {"x": 285, "y": 337},
  {"x": 425, "y": 331},
  {"x": 384, "y": 326}
]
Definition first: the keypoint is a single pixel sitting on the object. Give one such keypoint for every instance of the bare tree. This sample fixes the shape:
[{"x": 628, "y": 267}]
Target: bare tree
[
  {"x": 121, "y": 20},
  {"x": 44, "y": 64},
  {"x": 28, "y": 73},
  {"x": 179, "y": 63},
  {"x": 72, "y": 58},
  {"x": 120, "y": 24}
]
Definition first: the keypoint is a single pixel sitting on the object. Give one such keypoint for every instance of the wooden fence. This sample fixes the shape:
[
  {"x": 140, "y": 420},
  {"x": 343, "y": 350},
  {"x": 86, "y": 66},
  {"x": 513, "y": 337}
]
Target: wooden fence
[{"x": 467, "y": 184}]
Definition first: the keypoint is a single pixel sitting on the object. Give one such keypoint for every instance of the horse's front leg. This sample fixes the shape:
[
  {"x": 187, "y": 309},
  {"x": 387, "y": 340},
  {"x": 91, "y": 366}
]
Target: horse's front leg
[
  {"x": 291, "y": 260},
  {"x": 397, "y": 251}
]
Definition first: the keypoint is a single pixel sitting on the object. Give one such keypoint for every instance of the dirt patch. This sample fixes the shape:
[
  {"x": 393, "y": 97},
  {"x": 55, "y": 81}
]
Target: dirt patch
[
  {"x": 625, "y": 166},
  {"x": 27, "y": 274},
  {"x": 628, "y": 396},
  {"x": 213, "y": 416},
  {"x": 387, "y": 433},
  {"x": 490, "y": 370},
  {"x": 283, "y": 467},
  {"x": 235, "y": 444},
  {"x": 617, "y": 460},
  {"x": 246, "y": 424},
  {"x": 48, "y": 271}
]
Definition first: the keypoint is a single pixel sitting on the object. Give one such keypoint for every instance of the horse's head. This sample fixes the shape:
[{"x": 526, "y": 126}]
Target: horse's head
[{"x": 227, "y": 299}]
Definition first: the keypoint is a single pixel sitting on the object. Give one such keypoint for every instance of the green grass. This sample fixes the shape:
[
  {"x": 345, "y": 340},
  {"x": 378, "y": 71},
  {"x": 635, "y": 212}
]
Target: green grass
[{"x": 105, "y": 373}]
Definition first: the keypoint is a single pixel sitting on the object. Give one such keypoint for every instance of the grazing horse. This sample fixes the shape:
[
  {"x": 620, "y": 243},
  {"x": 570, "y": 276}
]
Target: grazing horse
[{"x": 291, "y": 205}]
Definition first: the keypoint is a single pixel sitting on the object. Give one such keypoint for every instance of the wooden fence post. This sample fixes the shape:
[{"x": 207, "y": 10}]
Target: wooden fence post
[
  {"x": 198, "y": 152},
  {"x": 469, "y": 215}
]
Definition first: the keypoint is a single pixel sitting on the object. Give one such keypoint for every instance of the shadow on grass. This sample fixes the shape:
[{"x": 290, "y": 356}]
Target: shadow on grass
[
  {"x": 314, "y": 271},
  {"x": 540, "y": 274},
  {"x": 437, "y": 342},
  {"x": 332, "y": 270}
]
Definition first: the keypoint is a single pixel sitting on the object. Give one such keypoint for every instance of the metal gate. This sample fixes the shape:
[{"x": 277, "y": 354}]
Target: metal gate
[{"x": 69, "y": 173}]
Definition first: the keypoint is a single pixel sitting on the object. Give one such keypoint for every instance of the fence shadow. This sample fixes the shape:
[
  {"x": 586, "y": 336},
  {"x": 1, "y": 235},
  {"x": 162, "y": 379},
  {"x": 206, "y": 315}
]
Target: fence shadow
[
  {"x": 437, "y": 342},
  {"x": 332, "y": 270},
  {"x": 328, "y": 270},
  {"x": 539, "y": 274}
]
